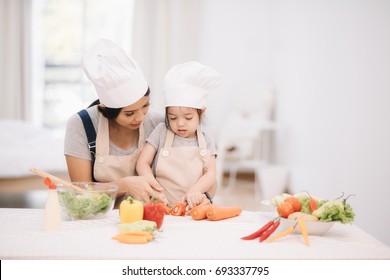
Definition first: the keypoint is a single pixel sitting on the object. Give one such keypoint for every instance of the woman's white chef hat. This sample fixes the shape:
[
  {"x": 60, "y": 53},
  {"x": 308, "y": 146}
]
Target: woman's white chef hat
[
  {"x": 188, "y": 84},
  {"x": 118, "y": 80}
]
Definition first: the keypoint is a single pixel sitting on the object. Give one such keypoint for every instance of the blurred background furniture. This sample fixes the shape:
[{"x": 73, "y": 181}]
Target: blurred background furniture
[
  {"x": 24, "y": 145},
  {"x": 245, "y": 143}
]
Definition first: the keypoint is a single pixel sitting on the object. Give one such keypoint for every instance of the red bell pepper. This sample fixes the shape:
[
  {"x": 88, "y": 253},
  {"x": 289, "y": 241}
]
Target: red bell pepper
[{"x": 154, "y": 211}]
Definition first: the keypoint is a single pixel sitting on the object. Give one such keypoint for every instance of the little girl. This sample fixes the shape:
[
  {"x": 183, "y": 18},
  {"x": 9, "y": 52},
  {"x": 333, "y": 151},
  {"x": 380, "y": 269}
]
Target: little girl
[{"x": 178, "y": 154}]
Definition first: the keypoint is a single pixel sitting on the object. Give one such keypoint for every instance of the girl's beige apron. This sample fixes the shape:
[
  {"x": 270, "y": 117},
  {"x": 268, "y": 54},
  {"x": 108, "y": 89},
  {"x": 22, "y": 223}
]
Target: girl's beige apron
[
  {"x": 178, "y": 168},
  {"x": 108, "y": 167}
]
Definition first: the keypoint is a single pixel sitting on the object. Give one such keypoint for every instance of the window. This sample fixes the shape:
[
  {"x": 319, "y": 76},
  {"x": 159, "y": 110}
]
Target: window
[{"x": 66, "y": 29}]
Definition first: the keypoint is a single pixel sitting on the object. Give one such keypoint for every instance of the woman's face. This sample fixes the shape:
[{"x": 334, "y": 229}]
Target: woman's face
[
  {"x": 133, "y": 116},
  {"x": 183, "y": 121}
]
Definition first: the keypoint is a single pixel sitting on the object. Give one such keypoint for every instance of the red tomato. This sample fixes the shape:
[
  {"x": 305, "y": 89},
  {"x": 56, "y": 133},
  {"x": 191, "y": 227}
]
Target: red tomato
[
  {"x": 285, "y": 209},
  {"x": 178, "y": 209},
  {"x": 154, "y": 211},
  {"x": 295, "y": 203}
]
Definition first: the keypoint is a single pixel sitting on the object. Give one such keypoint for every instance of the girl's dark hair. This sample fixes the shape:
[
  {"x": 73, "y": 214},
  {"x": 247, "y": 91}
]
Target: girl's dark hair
[
  {"x": 199, "y": 111},
  {"x": 111, "y": 113}
]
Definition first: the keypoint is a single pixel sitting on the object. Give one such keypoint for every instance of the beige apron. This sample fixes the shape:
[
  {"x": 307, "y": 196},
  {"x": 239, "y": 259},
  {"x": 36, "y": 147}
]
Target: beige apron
[
  {"x": 108, "y": 167},
  {"x": 178, "y": 168}
]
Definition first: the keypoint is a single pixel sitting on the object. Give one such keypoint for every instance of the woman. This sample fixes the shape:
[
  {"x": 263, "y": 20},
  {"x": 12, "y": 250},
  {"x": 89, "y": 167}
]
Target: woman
[{"x": 121, "y": 119}]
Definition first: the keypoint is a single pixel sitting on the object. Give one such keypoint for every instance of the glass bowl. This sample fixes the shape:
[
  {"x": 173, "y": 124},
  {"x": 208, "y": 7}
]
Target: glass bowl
[{"x": 95, "y": 201}]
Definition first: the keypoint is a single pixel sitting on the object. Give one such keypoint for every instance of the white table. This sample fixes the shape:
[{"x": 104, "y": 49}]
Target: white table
[{"x": 22, "y": 237}]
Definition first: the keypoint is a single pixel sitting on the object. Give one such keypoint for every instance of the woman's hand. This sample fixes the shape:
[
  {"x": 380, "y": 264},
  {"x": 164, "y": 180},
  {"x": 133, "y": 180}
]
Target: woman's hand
[
  {"x": 140, "y": 188},
  {"x": 153, "y": 183}
]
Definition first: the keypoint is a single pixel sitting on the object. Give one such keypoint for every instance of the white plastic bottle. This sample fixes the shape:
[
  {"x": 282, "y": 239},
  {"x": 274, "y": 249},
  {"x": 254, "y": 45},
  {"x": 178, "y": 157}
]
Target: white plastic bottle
[{"x": 52, "y": 210}]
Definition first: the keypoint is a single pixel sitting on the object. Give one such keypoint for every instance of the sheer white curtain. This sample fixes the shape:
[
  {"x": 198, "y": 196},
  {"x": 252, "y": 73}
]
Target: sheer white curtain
[
  {"x": 166, "y": 32},
  {"x": 15, "y": 59}
]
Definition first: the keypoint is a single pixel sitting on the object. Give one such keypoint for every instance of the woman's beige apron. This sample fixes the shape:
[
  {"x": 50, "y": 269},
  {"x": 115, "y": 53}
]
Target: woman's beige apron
[
  {"x": 178, "y": 168},
  {"x": 108, "y": 167}
]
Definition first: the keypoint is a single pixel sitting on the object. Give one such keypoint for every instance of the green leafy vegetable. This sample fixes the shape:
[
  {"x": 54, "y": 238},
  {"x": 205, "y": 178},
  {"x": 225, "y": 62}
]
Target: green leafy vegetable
[
  {"x": 80, "y": 206},
  {"x": 305, "y": 201},
  {"x": 335, "y": 210}
]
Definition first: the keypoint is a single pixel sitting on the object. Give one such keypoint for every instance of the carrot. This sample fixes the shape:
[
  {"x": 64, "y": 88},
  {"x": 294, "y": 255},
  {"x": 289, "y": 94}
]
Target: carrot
[
  {"x": 131, "y": 239},
  {"x": 200, "y": 212},
  {"x": 148, "y": 235},
  {"x": 281, "y": 234},
  {"x": 302, "y": 227},
  {"x": 220, "y": 213},
  {"x": 167, "y": 210}
]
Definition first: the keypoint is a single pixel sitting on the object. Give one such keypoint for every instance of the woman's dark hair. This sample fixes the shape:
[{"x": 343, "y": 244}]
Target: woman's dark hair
[{"x": 111, "y": 113}]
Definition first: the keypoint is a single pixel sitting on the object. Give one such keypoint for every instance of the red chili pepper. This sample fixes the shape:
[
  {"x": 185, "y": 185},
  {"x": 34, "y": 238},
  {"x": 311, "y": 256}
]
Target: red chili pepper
[
  {"x": 269, "y": 231},
  {"x": 259, "y": 232},
  {"x": 313, "y": 204}
]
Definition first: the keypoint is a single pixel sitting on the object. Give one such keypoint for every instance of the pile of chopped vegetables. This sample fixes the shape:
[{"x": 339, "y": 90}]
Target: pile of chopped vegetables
[{"x": 80, "y": 206}]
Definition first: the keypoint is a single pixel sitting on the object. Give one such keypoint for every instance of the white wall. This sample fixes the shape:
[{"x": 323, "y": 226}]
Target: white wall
[
  {"x": 329, "y": 62},
  {"x": 333, "y": 70},
  {"x": 234, "y": 41}
]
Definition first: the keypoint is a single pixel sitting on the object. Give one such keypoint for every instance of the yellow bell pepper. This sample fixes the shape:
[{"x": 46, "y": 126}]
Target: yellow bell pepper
[{"x": 131, "y": 210}]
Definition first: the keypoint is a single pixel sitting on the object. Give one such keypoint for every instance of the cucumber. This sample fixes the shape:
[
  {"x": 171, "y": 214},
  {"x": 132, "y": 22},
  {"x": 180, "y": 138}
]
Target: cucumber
[{"x": 143, "y": 225}]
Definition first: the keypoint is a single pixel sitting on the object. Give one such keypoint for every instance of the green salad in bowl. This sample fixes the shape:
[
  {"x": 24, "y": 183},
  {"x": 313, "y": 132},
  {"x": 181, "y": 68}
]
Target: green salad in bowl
[
  {"x": 94, "y": 201},
  {"x": 318, "y": 214}
]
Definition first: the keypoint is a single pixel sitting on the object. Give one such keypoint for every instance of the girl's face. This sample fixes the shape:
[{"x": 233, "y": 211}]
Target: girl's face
[
  {"x": 133, "y": 116},
  {"x": 183, "y": 121}
]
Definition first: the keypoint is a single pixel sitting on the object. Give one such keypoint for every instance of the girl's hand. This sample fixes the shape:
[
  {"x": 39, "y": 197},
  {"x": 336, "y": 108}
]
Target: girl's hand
[{"x": 194, "y": 199}]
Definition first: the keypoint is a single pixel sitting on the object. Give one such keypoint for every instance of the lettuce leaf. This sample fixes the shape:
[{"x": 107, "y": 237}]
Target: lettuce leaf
[
  {"x": 81, "y": 206},
  {"x": 335, "y": 210}
]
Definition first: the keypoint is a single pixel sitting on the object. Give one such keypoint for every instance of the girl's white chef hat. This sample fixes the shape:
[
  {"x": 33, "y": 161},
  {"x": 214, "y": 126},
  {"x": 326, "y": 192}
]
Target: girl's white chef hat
[
  {"x": 118, "y": 80},
  {"x": 188, "y": 84}
]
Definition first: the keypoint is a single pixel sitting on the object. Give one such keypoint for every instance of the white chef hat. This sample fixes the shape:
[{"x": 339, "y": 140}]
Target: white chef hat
[
  {"x": 118, "y": 80},
  {"x": 189, "y": 83}
]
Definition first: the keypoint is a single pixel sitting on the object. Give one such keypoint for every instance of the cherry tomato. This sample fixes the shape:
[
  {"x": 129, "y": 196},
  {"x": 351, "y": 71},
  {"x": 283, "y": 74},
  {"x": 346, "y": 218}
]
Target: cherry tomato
[
  {"x": 295, "y": 203},
  {"x": 285, "y": 209}
]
